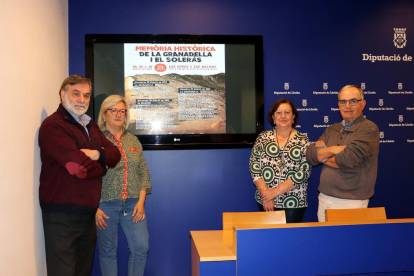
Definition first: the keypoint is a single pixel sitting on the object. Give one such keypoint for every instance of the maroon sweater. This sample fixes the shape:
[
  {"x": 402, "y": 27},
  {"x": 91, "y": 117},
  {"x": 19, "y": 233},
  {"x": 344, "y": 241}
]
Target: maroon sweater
[{"x": 70, "y": 182}]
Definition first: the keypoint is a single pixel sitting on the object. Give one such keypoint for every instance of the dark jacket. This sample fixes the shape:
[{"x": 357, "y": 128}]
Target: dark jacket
[{"x": 70, "y": 182}]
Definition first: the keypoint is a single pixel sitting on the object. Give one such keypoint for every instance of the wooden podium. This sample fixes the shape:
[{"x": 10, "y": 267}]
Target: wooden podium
[{"x": 320, "y": 248}]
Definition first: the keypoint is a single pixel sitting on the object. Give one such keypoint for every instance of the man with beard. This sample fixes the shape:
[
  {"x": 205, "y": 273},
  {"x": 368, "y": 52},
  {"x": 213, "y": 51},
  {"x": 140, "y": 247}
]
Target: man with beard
[{"x": 75, "y": 155}]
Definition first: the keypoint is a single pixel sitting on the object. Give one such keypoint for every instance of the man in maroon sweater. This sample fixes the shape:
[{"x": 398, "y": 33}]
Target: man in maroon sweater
[{"x": 75, "y": 155}]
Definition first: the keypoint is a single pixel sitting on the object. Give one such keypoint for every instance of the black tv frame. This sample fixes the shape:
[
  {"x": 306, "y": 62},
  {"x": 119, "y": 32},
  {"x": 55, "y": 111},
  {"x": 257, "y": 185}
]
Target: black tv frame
[{"x": 188, "y": 141}]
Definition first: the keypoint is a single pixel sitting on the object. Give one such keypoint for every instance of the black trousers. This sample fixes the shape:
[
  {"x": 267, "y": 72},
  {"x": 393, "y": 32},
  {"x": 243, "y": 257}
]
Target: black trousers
[
  {"x": 70, "y": 243},
  {"x": 293, "y": 215}
]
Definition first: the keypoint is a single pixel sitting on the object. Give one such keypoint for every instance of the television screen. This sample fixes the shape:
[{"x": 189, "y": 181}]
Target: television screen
[{"x": 183, "y": 91}]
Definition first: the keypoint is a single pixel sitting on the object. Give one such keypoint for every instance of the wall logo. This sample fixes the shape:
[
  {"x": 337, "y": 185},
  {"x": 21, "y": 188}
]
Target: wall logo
[
  {"x": 325, "y": 86},
  {"x": 304, "y": 105},
  {"x": 325, "y": 119},
  {"x": 401, "y": 119},
  {"x": 363, "y": 85},
  {"x": 400, "y": 86},
  {"x": 400, "y": 39},
  {"x": 304, "y": 102},
  {"x": 385, "y": 141},
  {"x": 286, "y": 91},
  {"x": 381, "y": 103}
]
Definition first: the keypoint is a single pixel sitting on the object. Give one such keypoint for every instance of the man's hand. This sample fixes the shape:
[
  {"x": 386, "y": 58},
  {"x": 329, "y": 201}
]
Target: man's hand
[
  {"x": 92, "y": 154},
  {"x": 319, "y": 144},
  {"x": 337, "y": 149},
  {"x": 333, "y": 149},
  {"x": 325, "y": 153},
  {"x": 331, "y": 162}
]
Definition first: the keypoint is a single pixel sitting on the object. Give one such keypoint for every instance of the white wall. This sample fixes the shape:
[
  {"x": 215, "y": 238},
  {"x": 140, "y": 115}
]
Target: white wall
[{"x": 33, "y": 63}]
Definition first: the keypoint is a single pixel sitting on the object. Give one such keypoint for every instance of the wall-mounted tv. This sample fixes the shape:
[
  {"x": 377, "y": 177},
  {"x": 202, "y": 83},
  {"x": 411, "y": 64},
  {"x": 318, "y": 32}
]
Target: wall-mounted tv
[{"x": 184, "y": 91}]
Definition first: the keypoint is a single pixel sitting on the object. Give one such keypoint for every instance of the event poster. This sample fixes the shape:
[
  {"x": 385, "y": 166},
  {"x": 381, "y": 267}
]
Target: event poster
[{"x": 176, "y": 88}]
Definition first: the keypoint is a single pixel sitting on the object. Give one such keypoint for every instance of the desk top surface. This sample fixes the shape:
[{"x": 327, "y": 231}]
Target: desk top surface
[{"x": 214, "y": 245}]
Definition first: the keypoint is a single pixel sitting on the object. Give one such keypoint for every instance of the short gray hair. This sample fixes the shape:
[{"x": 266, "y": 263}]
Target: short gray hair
[
  {"x": 361, "y": 93},
  {"x": 111, "y": 101},
  {"x": 74, "y": 80}
]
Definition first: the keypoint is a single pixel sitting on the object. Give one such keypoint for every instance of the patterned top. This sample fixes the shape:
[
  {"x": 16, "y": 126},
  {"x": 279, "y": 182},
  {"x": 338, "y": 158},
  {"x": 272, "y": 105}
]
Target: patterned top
[
  {"x": 124, "y": 194},
  {"x": 131, "y": 174},
  {"x": 265, "y": 161}
]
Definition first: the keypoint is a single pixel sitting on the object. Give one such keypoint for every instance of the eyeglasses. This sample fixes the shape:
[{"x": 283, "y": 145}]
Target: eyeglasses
[
  {"x": 279, "y": 113},
  {"x": 351, "y": 102},
  {"x": 115, "y": 111}
]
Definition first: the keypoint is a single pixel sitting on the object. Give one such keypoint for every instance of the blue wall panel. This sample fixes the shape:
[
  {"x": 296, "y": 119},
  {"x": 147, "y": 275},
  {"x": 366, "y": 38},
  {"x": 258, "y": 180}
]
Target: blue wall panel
[
  {"x": 306, "y": 44},
  {"x": 329, "y": 250}
]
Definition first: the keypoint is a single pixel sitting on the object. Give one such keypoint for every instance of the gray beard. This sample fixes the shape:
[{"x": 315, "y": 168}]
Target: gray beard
[{"x": 71, "y": 107}]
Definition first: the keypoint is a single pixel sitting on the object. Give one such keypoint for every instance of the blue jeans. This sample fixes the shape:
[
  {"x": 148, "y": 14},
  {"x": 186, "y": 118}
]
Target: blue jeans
[{"x": 120, "y": 213}]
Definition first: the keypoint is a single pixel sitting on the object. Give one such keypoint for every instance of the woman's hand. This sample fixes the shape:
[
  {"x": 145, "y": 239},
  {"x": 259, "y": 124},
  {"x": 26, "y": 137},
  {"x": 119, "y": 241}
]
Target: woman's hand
[
  {"x": 269, "y": 194},
  {"x": 268, "y": 197},
  {"x": 263, "y": 190},
  {"x": 99, "y": 219},
  {"x": 268, "y": 205},
  {"x": 139, "y": 212}
]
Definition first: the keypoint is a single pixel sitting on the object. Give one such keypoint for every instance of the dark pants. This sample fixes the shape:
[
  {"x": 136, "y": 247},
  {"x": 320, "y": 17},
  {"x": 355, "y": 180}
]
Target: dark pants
[
  {"x": 293, "y": 215},
  {"x": 70, "y": 243}
]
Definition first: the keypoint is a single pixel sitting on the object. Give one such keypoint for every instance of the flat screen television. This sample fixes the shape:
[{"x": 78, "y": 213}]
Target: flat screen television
[{"x": 183, "y": 91}]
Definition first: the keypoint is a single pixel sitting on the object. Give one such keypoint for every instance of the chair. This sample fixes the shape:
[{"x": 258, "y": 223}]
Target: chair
[
  {"x": 272, "y": 217},
  {"x": 362, "y": 214}
]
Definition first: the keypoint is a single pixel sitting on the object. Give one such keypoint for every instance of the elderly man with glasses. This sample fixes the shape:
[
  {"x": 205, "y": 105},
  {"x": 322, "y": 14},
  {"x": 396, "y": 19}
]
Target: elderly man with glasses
[{"x": 349, "y": 154}]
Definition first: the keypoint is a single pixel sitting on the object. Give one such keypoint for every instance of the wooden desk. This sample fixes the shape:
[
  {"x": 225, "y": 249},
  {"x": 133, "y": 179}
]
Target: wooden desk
[
  {"x": 359, "y": 214},
  {"x": 211, "y": 253},
  {"x": 319, "y": 248}
]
